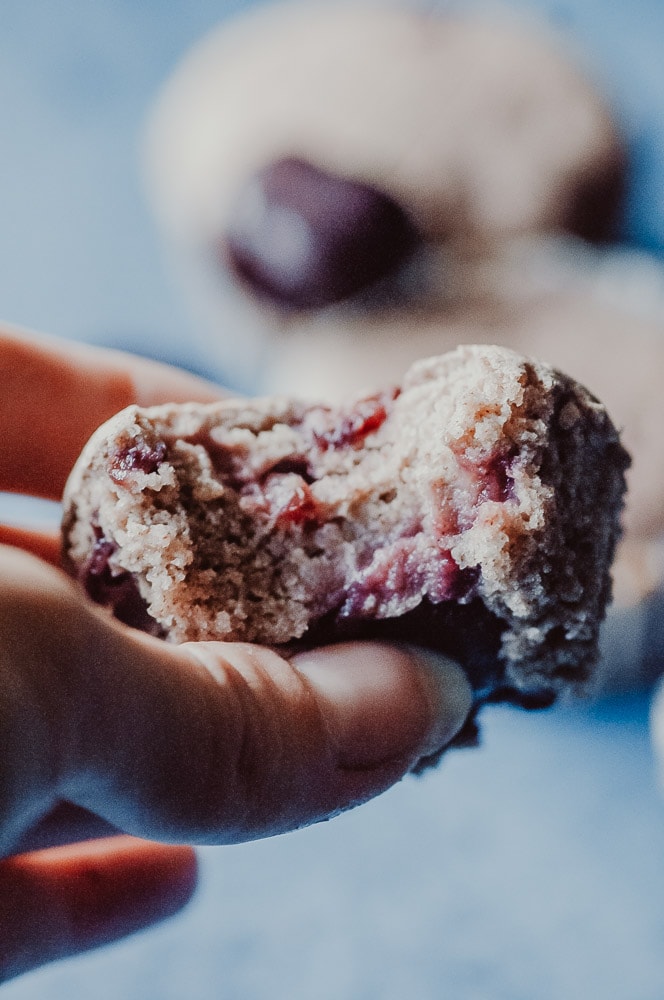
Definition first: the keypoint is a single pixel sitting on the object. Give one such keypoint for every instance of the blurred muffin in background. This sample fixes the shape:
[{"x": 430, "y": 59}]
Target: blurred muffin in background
[{"x": 321, "y": 169}]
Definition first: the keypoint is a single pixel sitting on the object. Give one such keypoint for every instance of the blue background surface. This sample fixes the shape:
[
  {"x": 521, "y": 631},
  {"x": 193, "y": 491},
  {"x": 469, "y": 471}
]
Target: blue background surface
[{"x": 532, "y": 869}]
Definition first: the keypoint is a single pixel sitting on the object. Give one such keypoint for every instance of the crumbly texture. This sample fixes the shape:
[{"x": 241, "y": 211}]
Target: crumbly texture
[{"x": 480, "y": 499}]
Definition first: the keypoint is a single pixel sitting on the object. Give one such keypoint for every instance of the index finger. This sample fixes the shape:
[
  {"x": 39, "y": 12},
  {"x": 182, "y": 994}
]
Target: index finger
[{"x": 54, "y": 394}]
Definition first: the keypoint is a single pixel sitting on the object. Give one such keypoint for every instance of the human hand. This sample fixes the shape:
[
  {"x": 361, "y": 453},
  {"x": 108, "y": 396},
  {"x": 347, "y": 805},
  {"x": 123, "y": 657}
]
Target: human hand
[{"x": 107, "y": 730}]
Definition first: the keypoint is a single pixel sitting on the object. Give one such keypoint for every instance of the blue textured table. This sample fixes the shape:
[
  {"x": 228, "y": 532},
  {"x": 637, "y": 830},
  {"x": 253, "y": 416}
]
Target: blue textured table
[{"x": 532, "y": 869}]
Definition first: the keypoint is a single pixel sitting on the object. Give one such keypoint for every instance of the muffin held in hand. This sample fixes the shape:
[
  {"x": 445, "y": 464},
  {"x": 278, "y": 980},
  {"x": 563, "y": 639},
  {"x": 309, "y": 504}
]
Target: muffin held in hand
[{"x": 474, "y": 510}]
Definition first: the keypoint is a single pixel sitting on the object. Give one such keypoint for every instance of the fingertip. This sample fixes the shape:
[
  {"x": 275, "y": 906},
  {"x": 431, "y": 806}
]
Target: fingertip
[
  {"x": 46, "y": 545},
  {"x": 67, "y": 900},
  {"x": 115, "y": 886},
  {"x": 155, "y": 383},
  {"x": 384, "y": 703},
  {"x": 163, "y": 878}
]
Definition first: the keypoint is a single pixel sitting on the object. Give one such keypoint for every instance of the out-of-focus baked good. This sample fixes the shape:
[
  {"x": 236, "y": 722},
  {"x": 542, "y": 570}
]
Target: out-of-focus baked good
[{"x": 357, "y": 162}]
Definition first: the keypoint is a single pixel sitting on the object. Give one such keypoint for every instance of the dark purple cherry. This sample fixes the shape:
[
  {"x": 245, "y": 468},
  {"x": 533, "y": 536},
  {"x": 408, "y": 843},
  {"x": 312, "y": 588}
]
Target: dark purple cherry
[
  {"x": 138, "y": 457},
  {"x": 596, "y": 203},
  {"x": 119, "y": 592},
  {"x": 304, "y": 238}
]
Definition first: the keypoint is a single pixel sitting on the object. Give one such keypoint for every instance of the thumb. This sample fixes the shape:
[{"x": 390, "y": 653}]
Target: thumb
[{"x": 229, "y": 742}]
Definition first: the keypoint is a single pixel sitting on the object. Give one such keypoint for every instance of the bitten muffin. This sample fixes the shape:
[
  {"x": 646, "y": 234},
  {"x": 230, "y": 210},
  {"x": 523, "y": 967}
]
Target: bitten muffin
[{"x": 474, "y": 509}]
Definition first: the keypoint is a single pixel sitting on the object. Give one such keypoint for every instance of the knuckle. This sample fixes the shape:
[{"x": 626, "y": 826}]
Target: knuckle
[{"x": 277, "y": 761}]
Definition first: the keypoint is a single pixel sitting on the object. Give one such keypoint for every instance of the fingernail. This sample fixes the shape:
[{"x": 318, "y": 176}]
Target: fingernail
[
  {"x": 449, "y": 694},
  {"x": 384, "y": 702}
]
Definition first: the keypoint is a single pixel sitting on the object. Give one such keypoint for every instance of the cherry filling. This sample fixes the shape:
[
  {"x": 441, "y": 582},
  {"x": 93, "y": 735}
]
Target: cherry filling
[
  {"x": 297, "y": 465},
  {"x": 331, "y": 429},
  {"x": 282, "y": 491},
  {"x": 116, "y": 591},
  {"x": 349, "y": 430},
  {"x": 401, "y": 573},
  {"x": 495, "y": 481},
  {"x": 137, "y": 457},
  {"x": 289, "y": 500}
]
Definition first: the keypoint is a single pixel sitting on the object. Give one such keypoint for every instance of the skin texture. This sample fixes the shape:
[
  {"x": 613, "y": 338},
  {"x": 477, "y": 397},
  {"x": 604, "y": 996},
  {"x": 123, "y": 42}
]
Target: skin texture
[{"x": 104, "y": 730}]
